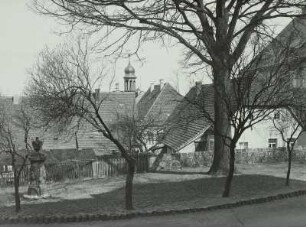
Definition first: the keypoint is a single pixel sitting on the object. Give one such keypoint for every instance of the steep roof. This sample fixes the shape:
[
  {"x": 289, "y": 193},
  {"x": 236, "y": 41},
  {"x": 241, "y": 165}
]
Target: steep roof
[
  {"x": 188, "y": 121},
  {"x": 116, "y": 102},
  {"x": 113, "y": 103},
  {"x": 159, "y": 103},
  {"x": 290, "y": 42},
  {"x": 86, "y": 139}
]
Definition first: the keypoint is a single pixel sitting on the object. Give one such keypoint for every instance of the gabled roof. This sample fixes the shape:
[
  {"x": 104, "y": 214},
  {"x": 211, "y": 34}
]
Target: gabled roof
[
  {"x": 86, "y": 140},
  {"x": 113, "y": 103},
  {"x": 116, "y": 103},
  {"x": 188, "y": 121},
  {"x": 147, "y": 100},
  {"x": 158, "y": 103},
  {"x": 289, "y": 42}
]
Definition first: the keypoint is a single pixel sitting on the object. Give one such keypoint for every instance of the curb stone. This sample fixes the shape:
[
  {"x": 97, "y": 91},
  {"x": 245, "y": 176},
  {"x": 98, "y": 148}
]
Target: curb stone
[{"x": 83, "y": 217}]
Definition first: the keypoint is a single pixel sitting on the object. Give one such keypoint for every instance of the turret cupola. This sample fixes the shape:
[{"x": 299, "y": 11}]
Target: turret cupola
[{"x": 129, "y": 78}]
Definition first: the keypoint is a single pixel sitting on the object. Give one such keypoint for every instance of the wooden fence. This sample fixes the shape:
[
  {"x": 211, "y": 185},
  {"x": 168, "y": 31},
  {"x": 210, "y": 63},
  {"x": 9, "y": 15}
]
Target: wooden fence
[
  {"x": 7, "y": 177},
  {"x": 103, "y": 166}
]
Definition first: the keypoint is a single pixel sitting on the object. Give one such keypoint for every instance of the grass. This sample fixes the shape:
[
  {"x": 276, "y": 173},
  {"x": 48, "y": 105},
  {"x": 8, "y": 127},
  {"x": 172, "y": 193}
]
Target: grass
[{"x": 162, "y": 194}]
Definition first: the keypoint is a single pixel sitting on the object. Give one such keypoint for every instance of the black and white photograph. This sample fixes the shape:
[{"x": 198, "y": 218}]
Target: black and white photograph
[{"x": 145, "y": 113}]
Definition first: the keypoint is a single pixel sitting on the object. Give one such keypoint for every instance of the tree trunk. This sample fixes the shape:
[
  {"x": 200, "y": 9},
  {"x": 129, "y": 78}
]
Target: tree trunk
[
  {"x": 158, "y": 159},
  {"x": 229, "y": 178},
  {"x": 16, "y": 185},
  {"x": 129, "y": 186},
  {"x": 220, "y": 164},
  {"x": 289, "y": 164},
  {"x": 17, "y": 196}
]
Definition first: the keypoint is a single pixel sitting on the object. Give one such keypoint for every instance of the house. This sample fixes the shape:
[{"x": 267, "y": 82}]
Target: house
[
  {"x": 156, "y": 105},
  {"x": 154, "y": 108},
  {"x": 114, "y": 104},
  {"x": 292, "y": 40},
  {"x": 265, "y": 135},
  {"x": 192, "y": 128},
  {"x": 189, "y": 129},
  {"x": 158, "y": 102},
  {"x": 86, "y": 137}
]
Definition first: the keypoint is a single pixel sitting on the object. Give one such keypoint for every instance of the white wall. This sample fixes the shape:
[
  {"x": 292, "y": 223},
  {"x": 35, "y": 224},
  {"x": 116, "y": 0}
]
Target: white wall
[
  {"x": 258, "y": 135},
  {"x": 188, "y": 149}
]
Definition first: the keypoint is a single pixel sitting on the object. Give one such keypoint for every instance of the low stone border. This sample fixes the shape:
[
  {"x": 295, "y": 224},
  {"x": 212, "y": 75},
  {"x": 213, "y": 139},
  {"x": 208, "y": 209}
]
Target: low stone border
[{"x": 115, "y": 216}]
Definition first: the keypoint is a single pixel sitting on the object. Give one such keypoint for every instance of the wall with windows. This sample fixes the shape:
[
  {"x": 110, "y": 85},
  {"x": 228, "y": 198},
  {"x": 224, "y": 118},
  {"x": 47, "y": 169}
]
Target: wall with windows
[{"x": 264, "y": 134}]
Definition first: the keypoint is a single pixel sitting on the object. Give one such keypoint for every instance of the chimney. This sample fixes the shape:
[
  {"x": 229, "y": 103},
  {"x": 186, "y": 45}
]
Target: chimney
[
  {"x": 156, "y": 86},
  {"x": 116, "y": 87},
  {"x": 162, "y": 83},
  {"x": 151, "y": 86},
  {"x": 198, "y": 86}
]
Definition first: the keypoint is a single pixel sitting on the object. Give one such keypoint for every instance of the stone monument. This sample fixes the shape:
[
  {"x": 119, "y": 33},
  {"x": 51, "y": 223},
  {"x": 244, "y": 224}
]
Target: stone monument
[{"x": 36, "y": 159}]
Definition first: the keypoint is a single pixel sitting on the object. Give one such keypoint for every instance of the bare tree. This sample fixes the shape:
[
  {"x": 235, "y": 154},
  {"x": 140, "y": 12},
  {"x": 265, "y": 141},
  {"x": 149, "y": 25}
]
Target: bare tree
[
  {"x": 289, "y": 130},
  {"x": 215, "y": 33},
  {"x": 137, "y": 134},
  {"x": 62, "y": 90},
  {"x": 13, "y": 120},
  {"x": 261, "y": 82},
  {"x": 142, "y": 135}
]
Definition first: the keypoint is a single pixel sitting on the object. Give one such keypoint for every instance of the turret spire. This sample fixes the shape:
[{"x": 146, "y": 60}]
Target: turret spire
[{"x": 129, "y": 78}]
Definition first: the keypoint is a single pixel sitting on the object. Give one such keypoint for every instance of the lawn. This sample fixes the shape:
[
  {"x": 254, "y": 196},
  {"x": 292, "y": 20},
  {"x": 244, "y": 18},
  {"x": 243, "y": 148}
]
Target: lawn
[{"x": 155, "y": 191}]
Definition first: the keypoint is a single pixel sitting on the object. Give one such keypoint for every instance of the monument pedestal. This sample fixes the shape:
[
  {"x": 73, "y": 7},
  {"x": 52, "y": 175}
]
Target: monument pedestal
[{"x": 36, "y": 159}]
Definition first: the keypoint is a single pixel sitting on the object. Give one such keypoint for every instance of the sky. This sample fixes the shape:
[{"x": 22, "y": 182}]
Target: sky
[{"x": 24, "y": 34}]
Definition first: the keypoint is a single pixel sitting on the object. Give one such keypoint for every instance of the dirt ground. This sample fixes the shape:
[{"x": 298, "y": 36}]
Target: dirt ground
[{"x": 84, "y": 189}]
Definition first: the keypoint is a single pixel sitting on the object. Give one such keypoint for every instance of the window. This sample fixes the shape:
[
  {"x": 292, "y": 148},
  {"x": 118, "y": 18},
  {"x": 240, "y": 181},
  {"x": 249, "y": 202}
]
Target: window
[
  {"x": 276, "y": 115},
  {"x": 200, "y": 146},
  {"x": 7, "y": 168},
  {"x": 243, "y": 145},
  {"x": 272, "y": 143}
]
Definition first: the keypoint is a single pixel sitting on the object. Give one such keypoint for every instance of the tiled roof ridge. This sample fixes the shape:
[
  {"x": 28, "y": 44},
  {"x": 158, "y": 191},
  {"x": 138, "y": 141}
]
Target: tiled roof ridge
[{"x": 158, "y": 96}]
